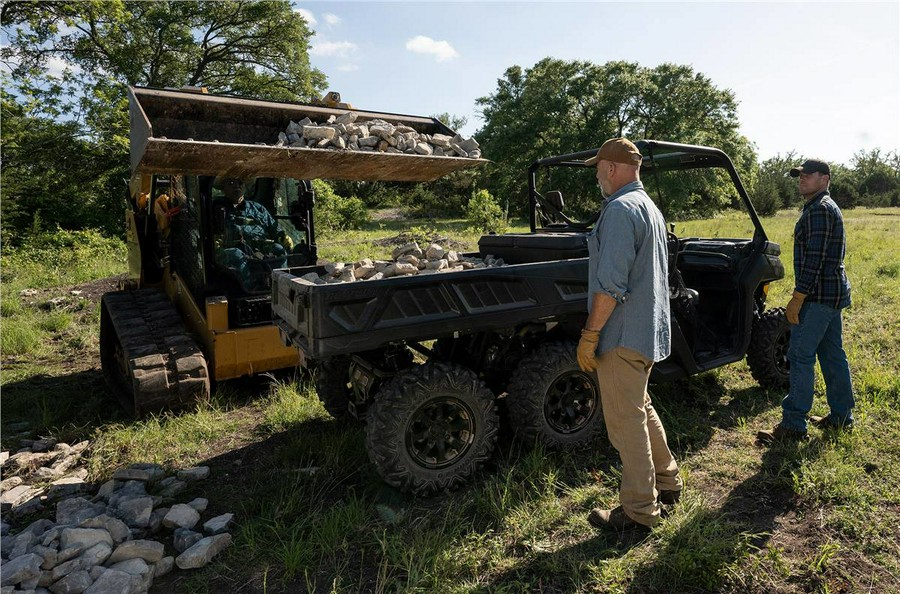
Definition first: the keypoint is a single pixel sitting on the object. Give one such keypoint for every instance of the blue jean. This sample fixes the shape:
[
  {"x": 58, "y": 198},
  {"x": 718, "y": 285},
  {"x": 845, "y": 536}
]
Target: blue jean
[{"x": 817, "y": 335}]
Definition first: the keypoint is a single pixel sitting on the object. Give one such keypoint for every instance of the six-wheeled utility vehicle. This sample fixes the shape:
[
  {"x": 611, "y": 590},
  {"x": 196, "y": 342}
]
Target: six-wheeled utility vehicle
[{"x": 510, "y": 332}]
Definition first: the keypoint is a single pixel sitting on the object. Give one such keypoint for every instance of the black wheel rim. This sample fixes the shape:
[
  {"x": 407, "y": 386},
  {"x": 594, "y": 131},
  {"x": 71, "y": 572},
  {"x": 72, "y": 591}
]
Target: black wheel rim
[
  {"x": 571, "y": 402},
  {"x": 440, "y": 433},
  {"x": 780, "y": 352}
]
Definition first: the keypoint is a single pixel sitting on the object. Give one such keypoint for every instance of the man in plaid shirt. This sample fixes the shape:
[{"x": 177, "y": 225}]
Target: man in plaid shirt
[{"x": 821, "y": 291}]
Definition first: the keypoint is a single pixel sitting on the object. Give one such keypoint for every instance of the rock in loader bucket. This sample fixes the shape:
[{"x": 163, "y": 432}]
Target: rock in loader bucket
[{"x": 186, "y": 133}]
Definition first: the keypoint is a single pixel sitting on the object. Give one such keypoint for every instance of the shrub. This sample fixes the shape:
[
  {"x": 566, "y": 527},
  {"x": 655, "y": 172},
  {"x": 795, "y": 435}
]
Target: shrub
[
  {"x": 765, "y": 197},
  {"x": 336, "y": 213},
  {"x": 485, "y": 213}
]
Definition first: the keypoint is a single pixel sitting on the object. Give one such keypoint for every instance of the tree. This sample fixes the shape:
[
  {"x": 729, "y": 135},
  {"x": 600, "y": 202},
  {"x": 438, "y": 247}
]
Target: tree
[
  {"x": 72, "y": 62},
  {"x": 559, "y": 107}
]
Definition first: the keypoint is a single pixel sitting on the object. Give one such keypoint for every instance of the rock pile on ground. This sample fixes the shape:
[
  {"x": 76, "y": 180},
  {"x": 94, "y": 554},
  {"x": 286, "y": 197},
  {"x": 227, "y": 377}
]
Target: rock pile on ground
[
  {"x": 343, "y": 133},
  {"x": 408, "y": 260},
  {"x": 113, "y": 542}
]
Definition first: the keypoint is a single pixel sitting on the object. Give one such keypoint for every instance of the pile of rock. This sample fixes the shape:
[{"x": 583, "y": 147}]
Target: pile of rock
[
  {"x": 42, "y": 470},
  {"x": 408, "y": 260},
  {"x": 113, "y": 542},
  {"x": 343, "y": 133}
]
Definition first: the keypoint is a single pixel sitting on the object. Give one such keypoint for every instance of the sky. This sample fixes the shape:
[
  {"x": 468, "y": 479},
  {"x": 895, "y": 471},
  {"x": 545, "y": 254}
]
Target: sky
[{"x": 820, "y": 79}]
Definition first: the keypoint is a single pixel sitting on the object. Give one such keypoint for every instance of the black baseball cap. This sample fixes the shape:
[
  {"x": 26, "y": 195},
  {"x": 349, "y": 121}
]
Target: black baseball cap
[{"x": 811, "y": 166}]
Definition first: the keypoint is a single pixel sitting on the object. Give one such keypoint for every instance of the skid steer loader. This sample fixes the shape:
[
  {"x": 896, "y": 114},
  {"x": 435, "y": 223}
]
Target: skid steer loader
[{"x": 185, "y": 317}]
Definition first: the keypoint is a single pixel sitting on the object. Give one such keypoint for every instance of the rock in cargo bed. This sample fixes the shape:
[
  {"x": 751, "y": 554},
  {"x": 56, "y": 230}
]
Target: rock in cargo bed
[{"x": 325, "y": 321}]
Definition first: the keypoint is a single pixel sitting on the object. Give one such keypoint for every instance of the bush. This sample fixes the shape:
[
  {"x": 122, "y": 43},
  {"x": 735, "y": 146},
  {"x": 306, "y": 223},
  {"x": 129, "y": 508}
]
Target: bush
[
  {"x": 766, "y": 197},
  {"x": 336, "y": 213},
  {"x": 61, "y": 257},
  {"x": 485, "y": 214}
]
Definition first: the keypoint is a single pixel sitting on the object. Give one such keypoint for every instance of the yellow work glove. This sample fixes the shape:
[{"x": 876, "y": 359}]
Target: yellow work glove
[
  {"x": 587, "y": 350},
  {"x": 287, "y": 242},
  {"x": 792, "y": 311}
]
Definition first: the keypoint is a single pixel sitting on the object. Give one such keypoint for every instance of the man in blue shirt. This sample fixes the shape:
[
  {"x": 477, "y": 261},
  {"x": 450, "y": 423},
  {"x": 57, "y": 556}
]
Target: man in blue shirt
[
  {"x": 821, "y": 291},
  {"x": 627, "y": 330}
]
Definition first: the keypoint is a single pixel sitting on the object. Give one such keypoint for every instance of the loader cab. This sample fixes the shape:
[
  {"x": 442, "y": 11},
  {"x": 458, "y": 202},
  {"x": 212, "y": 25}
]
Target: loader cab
[{"x": 182, "y": 223}]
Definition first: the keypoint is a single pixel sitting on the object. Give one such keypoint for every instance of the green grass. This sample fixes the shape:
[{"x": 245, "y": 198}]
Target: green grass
[{"x": 314, "y": 516}]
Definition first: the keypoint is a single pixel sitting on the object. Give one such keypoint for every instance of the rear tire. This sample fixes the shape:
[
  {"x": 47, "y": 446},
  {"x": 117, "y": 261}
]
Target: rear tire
[
  {"x": 553, "y": 402},
  {"x": 431, "y": 428},
  {"x": 767, "y": 355}
]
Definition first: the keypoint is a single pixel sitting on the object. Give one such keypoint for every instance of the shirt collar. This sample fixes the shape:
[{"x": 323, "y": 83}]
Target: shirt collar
[
  {"x": 629, "y": 187},
  {"x": 815, "y": 199}
]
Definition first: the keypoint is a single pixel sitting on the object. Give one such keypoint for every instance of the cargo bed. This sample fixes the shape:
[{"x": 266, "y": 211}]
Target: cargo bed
[
  {"x": 325, "y": 321},
  {"x": 185, "y": 133}
]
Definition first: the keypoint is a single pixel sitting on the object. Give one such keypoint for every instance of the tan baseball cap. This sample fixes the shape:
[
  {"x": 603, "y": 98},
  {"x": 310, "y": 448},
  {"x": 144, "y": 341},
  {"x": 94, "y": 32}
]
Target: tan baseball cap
[{"x": 617, "y": 150}]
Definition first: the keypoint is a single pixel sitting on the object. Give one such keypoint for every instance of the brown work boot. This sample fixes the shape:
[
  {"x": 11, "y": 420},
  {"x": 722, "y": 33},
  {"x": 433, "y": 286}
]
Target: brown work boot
[
  {"x": 668, "y": 497},
  {"x": 780, "y": 435},
  {"x": 825, "y": 423},
  {"x": 614, "y": 519}
]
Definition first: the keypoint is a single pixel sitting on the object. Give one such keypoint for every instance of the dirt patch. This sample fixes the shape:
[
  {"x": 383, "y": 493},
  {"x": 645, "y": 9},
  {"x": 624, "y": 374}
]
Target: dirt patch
[{"x": 70, "y": 297}]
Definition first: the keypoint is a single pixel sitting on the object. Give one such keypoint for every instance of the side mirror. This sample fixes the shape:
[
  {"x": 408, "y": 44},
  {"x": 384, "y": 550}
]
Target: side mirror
[{"x": 555, "y": 199}]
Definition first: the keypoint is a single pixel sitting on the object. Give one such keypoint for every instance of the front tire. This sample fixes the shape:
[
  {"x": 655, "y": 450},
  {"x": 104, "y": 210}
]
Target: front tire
[
  {"x": 553, "y": 402},
  {"x": 432, "y": 427},
  {"x": 767, "y": 355}
]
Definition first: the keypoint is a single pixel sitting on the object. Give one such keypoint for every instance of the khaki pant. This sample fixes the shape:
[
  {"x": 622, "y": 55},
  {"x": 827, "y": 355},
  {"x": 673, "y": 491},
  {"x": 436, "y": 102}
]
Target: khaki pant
[{"x": 636, "y": 432}]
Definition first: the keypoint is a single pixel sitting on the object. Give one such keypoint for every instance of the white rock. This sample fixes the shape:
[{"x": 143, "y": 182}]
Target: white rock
[
  {"x": 318, "y": 132},
  {"x": 74, "y": 583},
  {"x": 400, "y": 269},
  {"x": 24, "y": 568},
  {"x": 183, "y": 539},
  {"x": 434, "y": 252},
  {"x": 437, "y": 265},
  {"x": 136, "y": 512},
  {"x": 18, "y": 495},
  {"x": 84, "y": 538},
  {"x": 202, "y": 553},
  {"x": 409, "y": 248},
  {"x": 163, "y": 567},
  {"x": 116, "y": 527},
  {"x": 218, "y": 524},
  {"x": 148, "y": 550},
  {"x": 181, "y": 516},
  {"x": 136, "y": 566},
  {"x": 199, "y": 504},
  {"x": 114, "y": 582}
]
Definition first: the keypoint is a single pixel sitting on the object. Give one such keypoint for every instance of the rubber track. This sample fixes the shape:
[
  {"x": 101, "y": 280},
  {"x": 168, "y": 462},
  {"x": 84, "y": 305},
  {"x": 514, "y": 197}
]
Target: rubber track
[{"x": 167, "y": 368}]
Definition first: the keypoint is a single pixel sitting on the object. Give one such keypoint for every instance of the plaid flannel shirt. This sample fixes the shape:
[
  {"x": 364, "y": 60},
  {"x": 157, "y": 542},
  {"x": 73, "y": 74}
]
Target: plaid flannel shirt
[{"x": 819, "y": 246}]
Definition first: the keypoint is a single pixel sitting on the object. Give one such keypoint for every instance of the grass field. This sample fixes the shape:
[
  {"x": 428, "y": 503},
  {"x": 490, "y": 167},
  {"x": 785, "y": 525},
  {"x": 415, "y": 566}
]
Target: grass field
[{"x": 823, "y": 516}]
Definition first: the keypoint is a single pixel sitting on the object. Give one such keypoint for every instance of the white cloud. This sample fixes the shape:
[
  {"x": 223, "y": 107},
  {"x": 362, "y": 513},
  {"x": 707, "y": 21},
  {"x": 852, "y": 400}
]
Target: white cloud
[
  {"x": 348, "y": 68},
  {"x": 341, "y": 49},
  {"x": 56, "y": 66},
  {"x": 441, "y": 50},
  {"x": 307, "y": 14},
  {"x": 331, "y": 19}
]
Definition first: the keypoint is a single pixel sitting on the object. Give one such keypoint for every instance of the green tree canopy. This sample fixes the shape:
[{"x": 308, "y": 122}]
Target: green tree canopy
[
  {"x": 71, "y": 62},
  {"x": 559, "y": 107}
]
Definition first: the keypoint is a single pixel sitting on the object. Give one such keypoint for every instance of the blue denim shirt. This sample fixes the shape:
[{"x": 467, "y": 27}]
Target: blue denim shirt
[{"x": 629, "y": 262}]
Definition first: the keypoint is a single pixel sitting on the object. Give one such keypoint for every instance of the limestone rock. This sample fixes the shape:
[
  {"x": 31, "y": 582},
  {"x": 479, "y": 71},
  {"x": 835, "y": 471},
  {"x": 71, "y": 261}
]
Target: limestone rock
[
  {"x": 203, "y": 551},
  {"x": 136, "y": 512},
  {"x": 218, "y": 524},
  {"x": 74, "y": 583},
  {"x": 318, "y": 132},
  {"x": 409, "y": 248},
  {"x": 23, "y": 568},
  {"x": 116, "y": 528},
  {"x": 148, "y": 550},
  {"x": 434, "y": 252},
  {"x": 181, "y": 516},
  {"x": 163, "y": 567},
  {"x": 183, "y": 539},
  {"x": 199, "y": 504},
  {"x": 135, "y": 566},
  {"x": 114, "y": 582},
  {"x": 84, "y": 538}
]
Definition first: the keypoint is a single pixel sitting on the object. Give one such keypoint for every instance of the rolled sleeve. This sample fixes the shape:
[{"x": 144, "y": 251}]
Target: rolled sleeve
[{"x": 616, "y": 238}]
